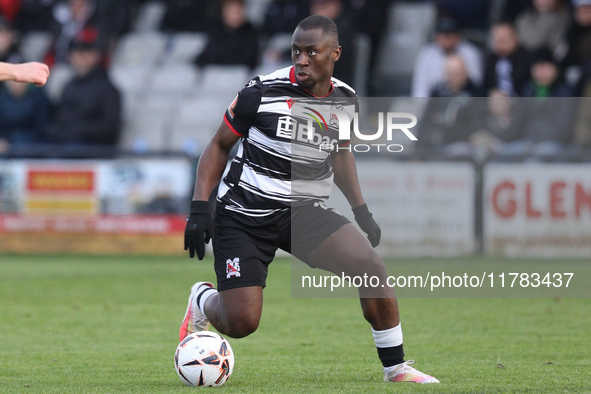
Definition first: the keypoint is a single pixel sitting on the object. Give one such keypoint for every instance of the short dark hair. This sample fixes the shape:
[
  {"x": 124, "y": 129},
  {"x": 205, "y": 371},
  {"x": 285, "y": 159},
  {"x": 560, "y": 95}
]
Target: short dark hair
[{"x": 320, "y": 22}]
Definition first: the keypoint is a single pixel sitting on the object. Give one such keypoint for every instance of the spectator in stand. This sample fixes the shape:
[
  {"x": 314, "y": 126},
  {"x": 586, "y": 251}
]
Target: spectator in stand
[
  {"x": 344, "y": 69},
  {"x": 543, "y": 25},
  {"x": 187, "y": 15},
  {"x": 430, "y": 64},
  {"x": 24, "y": 112},
  {"x": 90, "y": 110},
  {"x": 74, "y": 20},
  {"x": 546, "y": 80},
  {"x": 507, "y": 67},
  {"x": 457, "y": 82},
  {"x": 578, "y": 38},
  {"x": 496, "y": 126},
  {"x": 577, "y": 45},
  {"x": 8, "y": 40},
  {"x": 35, "y": 15},
  {"x": 283, "y": 16},
  {"x": 543, "y": 123},
  {"x": 233, "y": 41},
  {"x": 451, "y": 113}
]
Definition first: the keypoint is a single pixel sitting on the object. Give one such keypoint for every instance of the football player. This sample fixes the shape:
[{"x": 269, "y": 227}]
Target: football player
[{"x": 273, "y": 197}]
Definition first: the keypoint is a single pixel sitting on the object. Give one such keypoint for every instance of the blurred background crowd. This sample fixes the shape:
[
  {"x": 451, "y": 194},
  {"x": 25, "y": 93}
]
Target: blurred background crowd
[{"x": 497, "y": 78}]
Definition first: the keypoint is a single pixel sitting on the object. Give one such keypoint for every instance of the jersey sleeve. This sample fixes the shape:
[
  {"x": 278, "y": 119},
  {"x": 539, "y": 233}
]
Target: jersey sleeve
[{"x": 242, "y": 111}]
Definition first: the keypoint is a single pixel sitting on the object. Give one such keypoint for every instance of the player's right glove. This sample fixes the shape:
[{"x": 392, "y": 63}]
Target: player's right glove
[
  {"x": 199, "y": 229},
  {"x": 365, "y": 220}
]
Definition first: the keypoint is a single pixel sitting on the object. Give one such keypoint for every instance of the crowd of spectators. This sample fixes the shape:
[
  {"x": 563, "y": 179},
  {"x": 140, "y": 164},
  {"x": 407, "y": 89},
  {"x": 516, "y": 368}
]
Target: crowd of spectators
[
  {"x": 514, "y": 97},
  {"x": 88, "y": 115},
  {"x": 538, "y": 49}
]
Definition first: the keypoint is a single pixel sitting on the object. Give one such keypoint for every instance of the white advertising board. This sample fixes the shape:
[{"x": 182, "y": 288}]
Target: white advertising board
[{"x": 423, "y": 209}]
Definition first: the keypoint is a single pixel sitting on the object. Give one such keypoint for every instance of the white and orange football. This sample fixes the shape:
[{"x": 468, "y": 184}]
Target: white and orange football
[{"x": 204, "y": 358}]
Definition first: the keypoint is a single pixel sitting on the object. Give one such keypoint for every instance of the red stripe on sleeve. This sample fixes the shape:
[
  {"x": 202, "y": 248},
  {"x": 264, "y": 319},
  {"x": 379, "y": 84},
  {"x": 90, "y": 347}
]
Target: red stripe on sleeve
[{"x": 232, "y": 127}]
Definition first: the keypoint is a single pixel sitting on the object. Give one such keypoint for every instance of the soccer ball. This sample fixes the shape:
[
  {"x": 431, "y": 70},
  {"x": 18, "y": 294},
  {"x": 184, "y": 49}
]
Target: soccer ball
[{"x": 204, "y": 358}]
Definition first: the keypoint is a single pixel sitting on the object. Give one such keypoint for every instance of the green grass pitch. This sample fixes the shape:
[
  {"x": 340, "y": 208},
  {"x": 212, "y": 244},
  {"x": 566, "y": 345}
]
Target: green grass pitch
[{"x": 110, "y": 325}]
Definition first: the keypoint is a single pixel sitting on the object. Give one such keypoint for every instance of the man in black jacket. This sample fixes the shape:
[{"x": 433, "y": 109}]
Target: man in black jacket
[
  {"x": 507, "y": 67},
  {"x": 90, "y": 110}
]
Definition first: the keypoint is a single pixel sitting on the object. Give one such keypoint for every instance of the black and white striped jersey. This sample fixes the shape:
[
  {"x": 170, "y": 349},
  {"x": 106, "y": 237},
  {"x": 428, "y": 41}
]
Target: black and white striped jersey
[{"x": 287, "y": 137}]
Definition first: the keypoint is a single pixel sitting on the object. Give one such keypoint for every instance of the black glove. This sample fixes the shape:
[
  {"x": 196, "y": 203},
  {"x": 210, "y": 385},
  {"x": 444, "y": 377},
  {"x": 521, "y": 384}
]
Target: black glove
[
  {"x": 199, "y": 229},
  {"x": 364, "y": 219}
]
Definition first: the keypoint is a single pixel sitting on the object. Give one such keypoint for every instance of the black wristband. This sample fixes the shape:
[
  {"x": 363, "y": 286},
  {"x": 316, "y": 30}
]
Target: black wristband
[
  {"x": 199, "y": 207},
  {"x": 361, "y": 211}
]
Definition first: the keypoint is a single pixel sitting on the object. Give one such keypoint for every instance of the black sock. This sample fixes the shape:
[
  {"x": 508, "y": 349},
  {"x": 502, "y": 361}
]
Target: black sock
[{"x": 391, "y": 355}]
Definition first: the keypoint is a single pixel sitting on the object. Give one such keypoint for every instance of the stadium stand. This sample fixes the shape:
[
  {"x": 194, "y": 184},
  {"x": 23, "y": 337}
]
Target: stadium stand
[
  {"x": 35, "y": 45},
  {"x": 61, "y": 74},
  {"x": 184, "y": 47},
  {"x": 223, "y": 81},
  {"x": 140, "y": 48},
  {"x": 153, "y": 66},
  {"x": 147, "y": 125},
  {"x": 409, "y": 28},
  {"x": 149, "y": 16},
  {"x": 193, "y": 128},
  {"x": 173, "y": 80}
]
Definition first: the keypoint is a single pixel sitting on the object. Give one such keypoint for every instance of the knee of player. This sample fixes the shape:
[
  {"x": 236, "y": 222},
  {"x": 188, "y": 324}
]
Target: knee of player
[
  {"x": 375, "y": 264},
  {"x": 242, "y": 328}
]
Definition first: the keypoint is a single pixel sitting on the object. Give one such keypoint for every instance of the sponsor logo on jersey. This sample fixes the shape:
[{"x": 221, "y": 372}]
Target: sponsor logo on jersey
[{"x": 288, "y": 127}]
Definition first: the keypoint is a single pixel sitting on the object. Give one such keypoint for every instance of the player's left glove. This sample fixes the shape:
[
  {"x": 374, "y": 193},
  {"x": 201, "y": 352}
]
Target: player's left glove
[
  {"x": 199, "y": 229},
  {"x": 364, "y": 219}
]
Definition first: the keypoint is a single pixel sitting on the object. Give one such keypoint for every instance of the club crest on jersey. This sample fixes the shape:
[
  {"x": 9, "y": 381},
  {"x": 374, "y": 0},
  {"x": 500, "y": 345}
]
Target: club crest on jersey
[
  {"x": 290, "y": 102},
  {"x": 334, "y": 121},
  {"x": 233, "y": 268}
]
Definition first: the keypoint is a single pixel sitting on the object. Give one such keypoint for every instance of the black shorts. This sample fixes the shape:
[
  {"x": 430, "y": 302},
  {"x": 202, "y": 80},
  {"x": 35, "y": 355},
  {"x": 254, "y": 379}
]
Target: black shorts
[{"x": 244, "y": 246}]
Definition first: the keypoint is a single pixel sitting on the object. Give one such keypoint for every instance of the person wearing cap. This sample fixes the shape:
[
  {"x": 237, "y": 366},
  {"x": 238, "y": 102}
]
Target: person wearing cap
[
  {"x": 430, "y": 64},
  {"x": 90, "y": 110}
]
